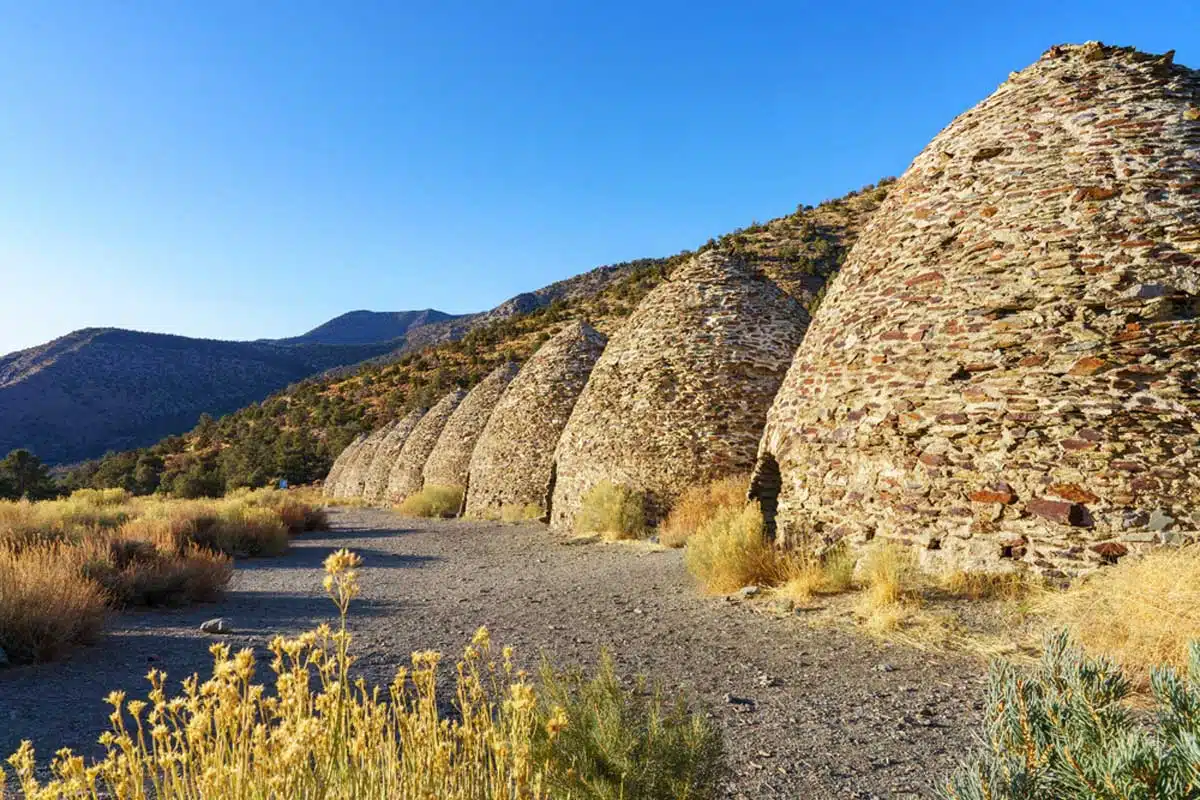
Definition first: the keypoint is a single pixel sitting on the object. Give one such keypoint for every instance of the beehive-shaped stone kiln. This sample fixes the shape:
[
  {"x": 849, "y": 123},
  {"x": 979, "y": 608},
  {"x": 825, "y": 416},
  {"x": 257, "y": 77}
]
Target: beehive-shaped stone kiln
[
  {"x": 451, "y": 457},
  {"x": 334, "y": 478},
  {"x": 354, "y": 477},
  {"x": 380, "y": 468},
  {"x": 680, "y": 395},
  {"x": 1005, "y": 370},
  {"x": 405, "y": 478},
  {"x": 511, "y": 465}
]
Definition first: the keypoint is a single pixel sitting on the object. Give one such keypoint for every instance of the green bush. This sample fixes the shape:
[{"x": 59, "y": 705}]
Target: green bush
[
  {"x": 1065, "y": 732},
  {"x": 619, "y": 744},
  {"x": 617, "y": 512}
]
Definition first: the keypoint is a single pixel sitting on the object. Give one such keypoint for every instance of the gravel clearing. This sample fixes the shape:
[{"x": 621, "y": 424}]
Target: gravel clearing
[{"x": 808, "y": 712}]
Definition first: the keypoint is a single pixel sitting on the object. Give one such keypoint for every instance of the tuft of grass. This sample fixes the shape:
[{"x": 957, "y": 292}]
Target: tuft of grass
[
  {"x": 46, "y": 605},
  {"x": 890, "y": 579},
  {"x": 964, "y": 585},
  {"x": 700, "y": 504},
  {"x": 620, "y": 744},
  {"x": 512, "y": 512},
  {"x": 434, "y": 501},
  {"x": 731, "y": 550},
  {"x": 809, "y": 576},
  {"x": 1140, "y": 613},
  {"x": 613, "y": 511},
  {"x": 320, "y": 732}
]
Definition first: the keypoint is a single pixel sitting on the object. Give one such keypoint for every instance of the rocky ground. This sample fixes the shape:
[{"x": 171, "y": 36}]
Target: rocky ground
[{"x": 808, "y": 711}]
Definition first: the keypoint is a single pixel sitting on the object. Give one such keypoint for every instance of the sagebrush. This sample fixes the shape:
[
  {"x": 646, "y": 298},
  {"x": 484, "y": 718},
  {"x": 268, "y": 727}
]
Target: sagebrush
[{"x": 1066, "y": 732}]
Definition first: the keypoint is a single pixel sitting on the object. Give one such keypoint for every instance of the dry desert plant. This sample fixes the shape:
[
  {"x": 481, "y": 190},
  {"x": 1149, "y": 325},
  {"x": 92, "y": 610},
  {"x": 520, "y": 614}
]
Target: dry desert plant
[
  {"x": 433, "y": 501},
  {"x": 699, "y": 504},
  {"x": 613, "y": 511},
  {"x": 1141, "y": 612}
]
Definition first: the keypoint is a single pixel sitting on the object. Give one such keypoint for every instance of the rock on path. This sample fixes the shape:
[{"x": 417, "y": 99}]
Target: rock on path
[{"x": 807, "y": 712}]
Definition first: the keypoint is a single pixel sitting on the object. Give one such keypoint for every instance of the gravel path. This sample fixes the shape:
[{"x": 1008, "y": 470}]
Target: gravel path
[{"x": 825, "y": 713}]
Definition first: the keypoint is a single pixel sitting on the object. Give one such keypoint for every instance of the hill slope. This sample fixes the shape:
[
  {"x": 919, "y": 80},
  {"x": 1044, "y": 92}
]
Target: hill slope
[
  {"x": 101, "y": 389},
  {"x": 296, "y": 434},
  {"x": 368, "y": 327}
]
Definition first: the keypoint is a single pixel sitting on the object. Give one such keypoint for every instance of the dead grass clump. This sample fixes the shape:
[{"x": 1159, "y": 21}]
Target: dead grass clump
[
  {"x": 614, "y": 512},
  {"x": 244, "y": 530},
  {"x": 138, "y": 573},
  {"x": 434, "y": 501},
  {"x": 891, "y": 593},
  {"x": 46, "y": 605},
  {"x": 731, "y": 551},
  {"x": 982, "y": 585},
  {"x": 513, "y": 512},
  {"x": 299, "y": 513},
  {"x": 809, "y": 576},
  {"x": 1140, "y": 613},
  {"x": 698, "y": 505}
]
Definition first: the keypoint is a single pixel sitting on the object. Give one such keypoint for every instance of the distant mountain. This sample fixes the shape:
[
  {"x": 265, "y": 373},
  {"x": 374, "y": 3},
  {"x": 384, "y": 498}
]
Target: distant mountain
[
  {"x": 368, "y": 327},
  {"x": 102, "y": 389}
]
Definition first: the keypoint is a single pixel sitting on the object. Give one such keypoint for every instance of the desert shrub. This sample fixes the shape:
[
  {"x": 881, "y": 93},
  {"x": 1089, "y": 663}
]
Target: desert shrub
[
  {"x": 615, "y": 512},
  {"x": 318, "y": 732},
  {"x": 244, "y": 530},
  {"x": 295, "y": 511},
  {"x": 46, "y": 605},
  {"x": 1140, "y": 612},
  {"x": 1065, "y": 732},
  {"x": 512, "y": 512},
  {"x": 731, "y": 550},
  {"x": 618, "y": 744},
  {"x": 140, "y": 573},
  {"x": 700, "y": 504},
  {"x": 434, "y": 501}
]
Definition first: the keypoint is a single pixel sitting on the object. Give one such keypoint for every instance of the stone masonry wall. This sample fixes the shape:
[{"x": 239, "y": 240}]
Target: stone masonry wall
[
  {"x": 680, "y": 394},
  {"x": 1005, "y": 371},
  {"x": 380, "y": 468},
  {"x": 406, "y": 475},
  {"x": 512, "y": 461},
  {"x": 354, "y": 477},
  {"x": 449, "y": 462},
  {"x": 334, "y": 478}
]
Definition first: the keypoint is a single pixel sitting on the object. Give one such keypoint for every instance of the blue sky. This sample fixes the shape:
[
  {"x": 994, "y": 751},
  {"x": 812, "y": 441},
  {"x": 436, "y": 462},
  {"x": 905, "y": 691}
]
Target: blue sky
[{"x": 238, "y": 169}]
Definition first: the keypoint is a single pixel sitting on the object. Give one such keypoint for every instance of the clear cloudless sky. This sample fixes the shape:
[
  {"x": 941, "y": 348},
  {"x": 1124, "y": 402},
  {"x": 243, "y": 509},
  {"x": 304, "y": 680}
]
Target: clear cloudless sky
[{"x": 250, "y": 168}]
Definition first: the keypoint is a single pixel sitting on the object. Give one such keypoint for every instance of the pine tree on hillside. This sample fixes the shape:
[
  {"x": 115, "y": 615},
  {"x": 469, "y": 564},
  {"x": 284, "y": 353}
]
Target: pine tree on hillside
[{"x": 22, "y": 474}]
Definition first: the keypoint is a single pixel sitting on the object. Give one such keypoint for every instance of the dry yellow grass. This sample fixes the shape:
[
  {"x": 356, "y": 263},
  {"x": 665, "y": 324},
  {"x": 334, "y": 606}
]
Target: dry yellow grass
[
  {"x": 46, "y": 605},
  {"x": 1141, "y": 612},
  {"x": 62, "y": 559},
  {"x": 731, "y": 550},
  {"x": 615, "y": 512},
  {"x": 810, "y": 576},
  {"x": 433, "y": 501},
  {"x": 698, "y": 505},
  {"x": 512, "y": 512}
]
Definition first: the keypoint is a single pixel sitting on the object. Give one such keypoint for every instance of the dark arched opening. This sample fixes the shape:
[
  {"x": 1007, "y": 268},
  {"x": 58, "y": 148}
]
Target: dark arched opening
[
  {"x": 548, "y": 505},
  {"x": 764, "y": 487}
]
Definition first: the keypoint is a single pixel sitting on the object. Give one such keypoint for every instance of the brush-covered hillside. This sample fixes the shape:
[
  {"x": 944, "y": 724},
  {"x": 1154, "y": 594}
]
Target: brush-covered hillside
[{"x": 295, "y": 434}]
